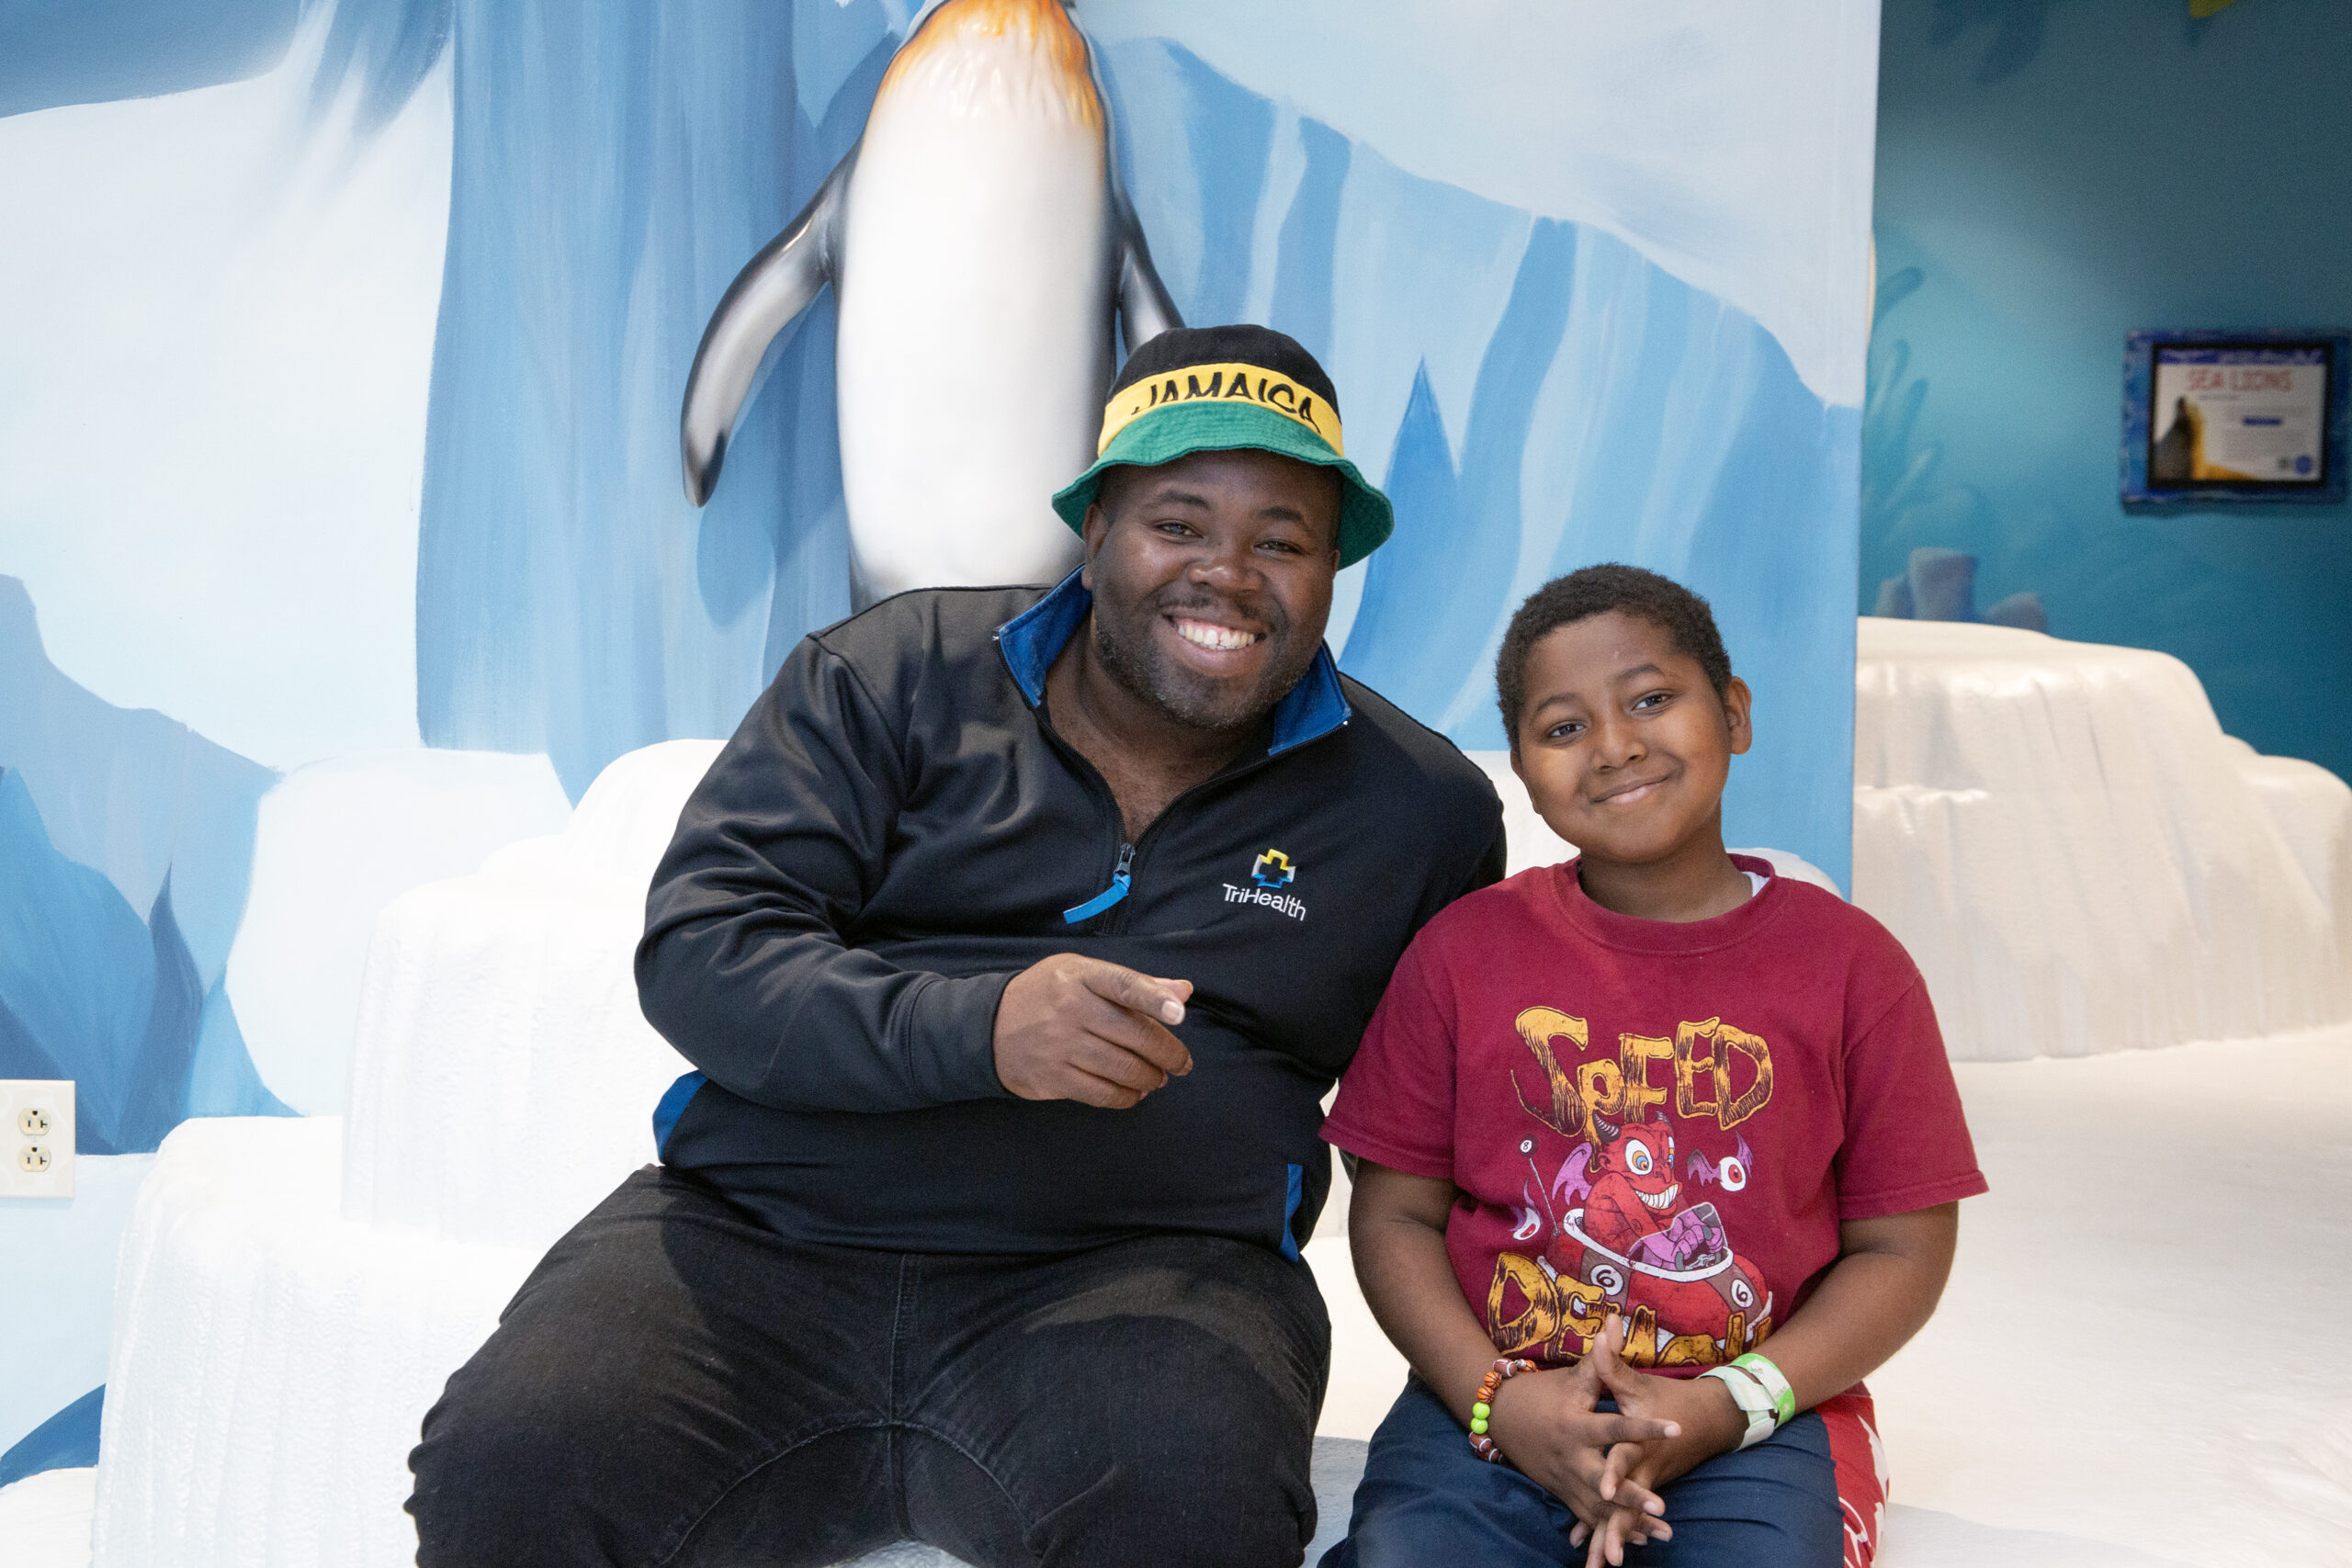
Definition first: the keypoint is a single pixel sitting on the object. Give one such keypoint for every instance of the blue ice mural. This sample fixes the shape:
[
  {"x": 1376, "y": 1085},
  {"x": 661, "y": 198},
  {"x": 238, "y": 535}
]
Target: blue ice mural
[
  {"x": 615, "y": 168},
  {"x": 127, "y": 838},
  {"x": 569, "y": 599}
]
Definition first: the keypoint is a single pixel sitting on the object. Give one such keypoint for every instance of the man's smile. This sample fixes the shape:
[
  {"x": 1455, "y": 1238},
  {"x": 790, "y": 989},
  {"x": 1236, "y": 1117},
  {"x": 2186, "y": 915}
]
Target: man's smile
[{"x": 1213, "y": 637}]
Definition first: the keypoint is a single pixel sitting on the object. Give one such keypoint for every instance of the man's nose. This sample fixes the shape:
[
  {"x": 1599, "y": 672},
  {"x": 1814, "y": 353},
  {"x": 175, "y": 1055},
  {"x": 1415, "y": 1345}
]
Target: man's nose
[{"x": 1228, "y": 565}]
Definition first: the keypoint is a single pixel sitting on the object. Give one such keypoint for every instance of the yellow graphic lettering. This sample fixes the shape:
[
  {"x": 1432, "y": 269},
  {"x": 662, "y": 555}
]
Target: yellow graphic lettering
[
  {"x": 1539, "y": 1027},
  {"x": 1641, "y": 1337},
  {"x": 1760, "y": 1056},
  {"x": 1599, "y": 1087},
  {"x": 1536, "y": 1322},
  {"x": 1634, "y": 1054},
  {"x": 1690, "y": 1350},
  {"x": 1583, "y": 1313},
  {"x": 1689, "y": 1065}
]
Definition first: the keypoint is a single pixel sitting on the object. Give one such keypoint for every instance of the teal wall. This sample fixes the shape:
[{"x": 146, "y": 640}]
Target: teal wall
[{"x": 2052, "y": 173}]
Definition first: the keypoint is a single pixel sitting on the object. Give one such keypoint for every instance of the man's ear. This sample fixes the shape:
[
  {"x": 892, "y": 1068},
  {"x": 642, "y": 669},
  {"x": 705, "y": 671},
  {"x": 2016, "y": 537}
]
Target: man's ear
[
  {"x": 1097, "y": 525},
  {"x": 1736, "y": 698}
]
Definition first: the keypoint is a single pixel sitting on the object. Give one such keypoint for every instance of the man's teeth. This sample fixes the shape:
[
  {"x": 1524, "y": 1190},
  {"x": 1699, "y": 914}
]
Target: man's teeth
[{"x": 1222, "y": 639}]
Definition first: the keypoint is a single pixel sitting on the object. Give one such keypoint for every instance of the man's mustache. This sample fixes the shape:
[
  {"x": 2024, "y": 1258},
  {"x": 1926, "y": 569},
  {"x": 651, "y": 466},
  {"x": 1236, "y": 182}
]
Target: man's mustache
[{"x": 1268, "y": 613}]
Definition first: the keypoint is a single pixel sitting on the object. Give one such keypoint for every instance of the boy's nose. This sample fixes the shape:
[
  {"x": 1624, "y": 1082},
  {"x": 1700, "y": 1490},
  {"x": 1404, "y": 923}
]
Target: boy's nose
[{"x": 1620, "y": 743}]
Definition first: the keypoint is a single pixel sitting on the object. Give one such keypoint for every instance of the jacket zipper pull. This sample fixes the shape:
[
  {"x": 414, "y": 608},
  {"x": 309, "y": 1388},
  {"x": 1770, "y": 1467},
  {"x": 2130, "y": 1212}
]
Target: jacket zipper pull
[{"x": 1108, "y": 896}]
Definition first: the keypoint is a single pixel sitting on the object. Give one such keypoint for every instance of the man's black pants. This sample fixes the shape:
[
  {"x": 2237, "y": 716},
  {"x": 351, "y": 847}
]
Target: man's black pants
[{"x": 677, "y": 1384}]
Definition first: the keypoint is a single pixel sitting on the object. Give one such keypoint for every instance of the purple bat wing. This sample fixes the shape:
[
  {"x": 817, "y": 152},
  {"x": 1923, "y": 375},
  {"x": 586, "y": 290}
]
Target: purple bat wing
[{"x": 1572, "y": 1175}]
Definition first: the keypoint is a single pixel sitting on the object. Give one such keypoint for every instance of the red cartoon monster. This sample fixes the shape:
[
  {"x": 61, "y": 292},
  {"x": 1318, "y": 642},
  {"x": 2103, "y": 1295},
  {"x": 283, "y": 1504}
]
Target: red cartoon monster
[
  {"x": 1634, "y": 1188},
  {"x": 1671, "y": 1266}
]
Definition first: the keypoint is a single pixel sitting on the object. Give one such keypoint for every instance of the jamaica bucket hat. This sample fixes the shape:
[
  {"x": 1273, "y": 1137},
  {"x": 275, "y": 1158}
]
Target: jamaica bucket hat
[{"x": 1214, "y": 388}]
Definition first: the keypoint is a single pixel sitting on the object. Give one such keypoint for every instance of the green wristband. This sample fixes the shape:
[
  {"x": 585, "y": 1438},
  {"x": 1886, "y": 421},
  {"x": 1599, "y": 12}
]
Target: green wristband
[{"x": 1785, "y": 1398}]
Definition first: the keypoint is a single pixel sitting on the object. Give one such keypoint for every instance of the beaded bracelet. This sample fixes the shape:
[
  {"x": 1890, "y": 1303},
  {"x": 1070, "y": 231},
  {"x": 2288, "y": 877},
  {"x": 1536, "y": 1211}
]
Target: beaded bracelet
[{"x": 1482, "y": 1406}]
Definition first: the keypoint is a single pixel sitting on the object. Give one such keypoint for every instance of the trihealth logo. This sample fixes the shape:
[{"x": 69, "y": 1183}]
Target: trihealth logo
[{"x": 1272, "y": 872}]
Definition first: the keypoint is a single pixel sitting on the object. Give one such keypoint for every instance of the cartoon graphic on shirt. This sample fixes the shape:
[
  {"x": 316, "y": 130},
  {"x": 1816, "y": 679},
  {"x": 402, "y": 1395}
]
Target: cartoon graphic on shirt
[{"x": 1616, "y": 1232}]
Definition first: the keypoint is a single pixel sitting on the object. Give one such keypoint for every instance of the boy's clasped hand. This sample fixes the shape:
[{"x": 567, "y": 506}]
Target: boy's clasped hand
[{"x": 1608, "y": 1468}]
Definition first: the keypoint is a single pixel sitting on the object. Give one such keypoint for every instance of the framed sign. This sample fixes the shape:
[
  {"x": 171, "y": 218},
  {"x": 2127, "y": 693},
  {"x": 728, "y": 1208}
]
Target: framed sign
[{"x": 2244, "y": 416}]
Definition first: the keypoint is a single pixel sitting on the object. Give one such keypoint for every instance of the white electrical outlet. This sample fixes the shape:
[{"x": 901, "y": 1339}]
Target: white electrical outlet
[{"x": 35, "y": 1137}]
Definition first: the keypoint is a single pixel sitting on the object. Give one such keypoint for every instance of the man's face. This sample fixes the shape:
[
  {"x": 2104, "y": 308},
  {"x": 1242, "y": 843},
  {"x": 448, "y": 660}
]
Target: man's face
[
  {"x": 1623, "y": 744},
  {"x": 1212, "y": 580}
]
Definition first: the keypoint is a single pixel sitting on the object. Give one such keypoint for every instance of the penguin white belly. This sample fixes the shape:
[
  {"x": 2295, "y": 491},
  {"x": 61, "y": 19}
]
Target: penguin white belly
[{"x": 975, "y": 291}]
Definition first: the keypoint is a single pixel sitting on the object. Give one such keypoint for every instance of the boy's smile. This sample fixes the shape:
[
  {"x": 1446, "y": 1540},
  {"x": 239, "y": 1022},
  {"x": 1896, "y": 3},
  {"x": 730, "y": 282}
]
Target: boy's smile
[{"x": 1625, "y": 745}]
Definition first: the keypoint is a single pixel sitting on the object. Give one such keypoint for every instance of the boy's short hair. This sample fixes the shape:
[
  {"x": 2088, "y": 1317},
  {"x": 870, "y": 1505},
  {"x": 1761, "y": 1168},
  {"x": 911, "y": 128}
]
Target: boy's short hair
[{"x": 1592, "y": 591}]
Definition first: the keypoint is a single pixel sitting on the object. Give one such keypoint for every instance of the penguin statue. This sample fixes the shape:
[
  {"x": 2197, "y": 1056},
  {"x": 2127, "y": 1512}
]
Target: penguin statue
[{"x": 978, "y": 243}]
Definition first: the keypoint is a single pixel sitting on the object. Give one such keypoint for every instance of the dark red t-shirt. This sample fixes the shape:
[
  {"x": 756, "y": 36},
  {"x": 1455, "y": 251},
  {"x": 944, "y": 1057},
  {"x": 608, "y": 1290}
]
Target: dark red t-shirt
[{"x": 1669, "y": 1119}]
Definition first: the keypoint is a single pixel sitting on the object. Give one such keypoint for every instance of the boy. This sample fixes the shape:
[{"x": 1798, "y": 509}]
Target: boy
[{"x": 1624, "y": 1121}]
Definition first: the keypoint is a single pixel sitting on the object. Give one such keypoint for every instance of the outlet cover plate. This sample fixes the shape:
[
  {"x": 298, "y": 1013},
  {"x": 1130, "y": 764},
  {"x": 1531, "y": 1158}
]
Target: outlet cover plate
[{"x": 35, "y": 1138}]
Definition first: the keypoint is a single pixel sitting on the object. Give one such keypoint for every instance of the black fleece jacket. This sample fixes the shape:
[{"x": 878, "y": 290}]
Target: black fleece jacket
[{"x": 896, "y": 830}]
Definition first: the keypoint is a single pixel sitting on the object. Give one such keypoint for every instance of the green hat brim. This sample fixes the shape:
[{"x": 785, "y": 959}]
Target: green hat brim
[{"x": 1167, "y": 434}]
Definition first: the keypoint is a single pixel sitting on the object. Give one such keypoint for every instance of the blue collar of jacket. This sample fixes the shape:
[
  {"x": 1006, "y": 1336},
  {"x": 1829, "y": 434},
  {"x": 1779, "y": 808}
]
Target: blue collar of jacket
[{"x": 1033, "y": 639}]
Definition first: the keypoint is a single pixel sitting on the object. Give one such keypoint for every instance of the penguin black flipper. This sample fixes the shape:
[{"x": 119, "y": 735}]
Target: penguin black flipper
[
  {"x": 775, "y": 287},
  {"x": 1145, "y": 309}
]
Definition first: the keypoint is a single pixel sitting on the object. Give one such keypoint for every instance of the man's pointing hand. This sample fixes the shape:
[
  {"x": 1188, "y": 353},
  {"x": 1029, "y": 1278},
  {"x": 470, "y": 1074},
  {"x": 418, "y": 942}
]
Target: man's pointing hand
[{"x": 1075, "y": 1028}]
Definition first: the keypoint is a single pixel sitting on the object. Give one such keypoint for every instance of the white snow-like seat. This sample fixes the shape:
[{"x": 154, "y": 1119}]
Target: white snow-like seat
[
  {"x": 272, "y": 1360},
  {"x": 2079, "y": 858},
  {"x": 504, "y": 1079}
]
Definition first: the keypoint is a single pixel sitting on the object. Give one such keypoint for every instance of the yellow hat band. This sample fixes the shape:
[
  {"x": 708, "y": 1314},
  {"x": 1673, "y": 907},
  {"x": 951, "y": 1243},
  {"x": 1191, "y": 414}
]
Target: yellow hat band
[{"x": 1222, "y": 383}]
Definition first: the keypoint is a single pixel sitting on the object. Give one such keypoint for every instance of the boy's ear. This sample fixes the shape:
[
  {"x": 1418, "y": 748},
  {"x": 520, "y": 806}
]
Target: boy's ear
[{"x": 1736, "y": 699}]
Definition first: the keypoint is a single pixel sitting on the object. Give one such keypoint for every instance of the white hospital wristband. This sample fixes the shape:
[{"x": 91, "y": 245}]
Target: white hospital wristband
[{"x": 1754, "y": 1400}]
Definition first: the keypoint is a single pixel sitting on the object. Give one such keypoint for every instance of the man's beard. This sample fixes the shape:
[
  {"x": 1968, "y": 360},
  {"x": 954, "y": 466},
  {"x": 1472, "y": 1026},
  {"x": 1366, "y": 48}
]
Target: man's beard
[{"x": 1123, "y": 642}]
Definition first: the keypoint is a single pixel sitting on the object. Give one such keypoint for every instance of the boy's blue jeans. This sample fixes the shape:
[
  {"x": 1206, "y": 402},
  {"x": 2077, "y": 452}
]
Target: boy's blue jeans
[{"x": 1426, "y": 1498}]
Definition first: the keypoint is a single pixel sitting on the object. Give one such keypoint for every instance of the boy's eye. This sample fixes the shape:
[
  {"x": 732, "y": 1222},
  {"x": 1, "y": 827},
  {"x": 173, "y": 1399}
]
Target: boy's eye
[
  {"x": 1563, "y": 730},
  {"x": 1652, "y": 699}
]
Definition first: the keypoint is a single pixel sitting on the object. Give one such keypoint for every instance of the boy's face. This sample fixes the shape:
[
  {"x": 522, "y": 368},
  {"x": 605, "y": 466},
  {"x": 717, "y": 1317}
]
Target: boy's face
[{"x": 1622, "y": 743}]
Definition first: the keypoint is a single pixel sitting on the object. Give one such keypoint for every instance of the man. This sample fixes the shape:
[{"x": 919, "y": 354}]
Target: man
[{"x": 1016, "y": 936}]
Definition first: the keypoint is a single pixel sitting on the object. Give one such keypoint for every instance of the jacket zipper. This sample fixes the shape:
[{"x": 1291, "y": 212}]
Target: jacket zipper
[
  {"x": 1123, "y": 875},
  {"x": 1121, "y": 879}
]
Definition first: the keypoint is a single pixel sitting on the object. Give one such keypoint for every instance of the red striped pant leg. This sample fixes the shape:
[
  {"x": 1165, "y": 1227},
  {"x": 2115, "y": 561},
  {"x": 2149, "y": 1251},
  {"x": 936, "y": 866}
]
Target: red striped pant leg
[{"x": 1861, "y": 1462}]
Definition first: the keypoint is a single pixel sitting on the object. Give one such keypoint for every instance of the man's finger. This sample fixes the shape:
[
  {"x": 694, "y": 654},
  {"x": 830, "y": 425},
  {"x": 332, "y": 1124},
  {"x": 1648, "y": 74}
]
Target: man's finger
[
  {"x": 1131, "y": 1030},
  {"x": 1115, "y": 1062},
  {"x": 1087, "y": 1089},
  {"x": 1153, "y": 997}
]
